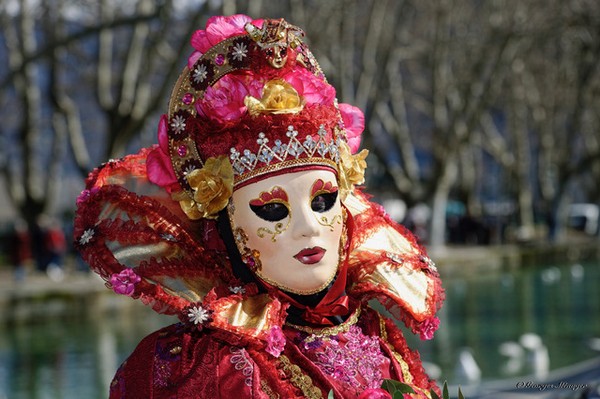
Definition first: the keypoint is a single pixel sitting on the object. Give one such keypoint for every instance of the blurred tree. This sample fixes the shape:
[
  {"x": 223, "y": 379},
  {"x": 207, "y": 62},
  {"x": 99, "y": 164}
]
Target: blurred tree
[
  {"x": 60, "y": 56},
  {"x": 423, "y": 72},
  {"x": 551, "y": 148}
]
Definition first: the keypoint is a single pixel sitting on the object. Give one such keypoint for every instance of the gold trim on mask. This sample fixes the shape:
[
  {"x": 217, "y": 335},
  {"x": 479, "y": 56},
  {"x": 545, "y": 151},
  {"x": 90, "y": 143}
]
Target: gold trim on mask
[
  {"x": 279, "y": 229},
  {"x": 323, "y": 221},
  {"x": 251, "y": 257},
  {"x": 341, "y": 258},
  {"x": 276, "y": 195},
  {"x": 295, "y": 291}
]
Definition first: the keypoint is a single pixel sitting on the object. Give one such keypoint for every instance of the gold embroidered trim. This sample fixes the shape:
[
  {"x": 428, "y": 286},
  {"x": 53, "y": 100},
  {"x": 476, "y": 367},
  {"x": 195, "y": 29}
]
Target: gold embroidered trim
[
  {"x": 299, "y": 379},
  {"x": 327, "y": 331},
  {"x": 268, "y": 391},
  {"x": 403, "y": 365},
  {"x": 406, "y": 375}
]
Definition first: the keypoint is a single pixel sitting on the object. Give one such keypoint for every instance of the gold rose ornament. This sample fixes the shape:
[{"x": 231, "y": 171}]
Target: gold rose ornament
[
  {"x": 352, "y": 169},
  {"x": 279, "y": 97},
  {"x": 212, "y": 186}
]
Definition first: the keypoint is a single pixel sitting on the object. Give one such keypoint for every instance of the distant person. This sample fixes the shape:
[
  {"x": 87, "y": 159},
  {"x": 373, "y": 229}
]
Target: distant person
[
  {"x": 20, "y": 249},
  {"x": 38, "y": 244},
  {"x": 56, "y": 248}
]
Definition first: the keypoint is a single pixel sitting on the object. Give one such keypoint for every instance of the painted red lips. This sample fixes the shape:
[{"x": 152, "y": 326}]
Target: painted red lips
[{"x": 310, "y": 256}]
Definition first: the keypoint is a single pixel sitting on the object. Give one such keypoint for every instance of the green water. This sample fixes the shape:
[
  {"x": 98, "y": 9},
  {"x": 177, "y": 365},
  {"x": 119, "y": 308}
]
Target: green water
[
  {"x": 75, "y": 354},
  {"x": 560, "y": 304}
]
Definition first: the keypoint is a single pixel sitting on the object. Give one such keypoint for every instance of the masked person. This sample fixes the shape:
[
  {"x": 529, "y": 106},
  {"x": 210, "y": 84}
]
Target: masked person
[{"x": 246, "y": 222}]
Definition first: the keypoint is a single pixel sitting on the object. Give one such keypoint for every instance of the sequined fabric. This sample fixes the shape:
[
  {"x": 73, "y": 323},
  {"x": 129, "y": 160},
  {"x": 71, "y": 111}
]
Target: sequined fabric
[{"x": 351, "y": 359}]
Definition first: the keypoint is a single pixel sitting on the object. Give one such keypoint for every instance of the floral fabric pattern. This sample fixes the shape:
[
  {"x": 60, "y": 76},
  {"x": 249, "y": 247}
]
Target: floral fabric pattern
[{"x": 352, "y": 359}]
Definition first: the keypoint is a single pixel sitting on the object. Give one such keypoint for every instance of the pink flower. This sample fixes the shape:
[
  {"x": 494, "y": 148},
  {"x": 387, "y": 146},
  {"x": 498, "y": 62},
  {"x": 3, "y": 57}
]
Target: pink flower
[
  {"x": 85, "y": 195},
  {"x": 375, "y": 393},
  {"x": 124, "y": 282},
  {"x": 217, "y": 29},
  {"x": 158, "y": 163},
  {"x": 275, "y": 341},
  {"x": 354, "y": 122},
  {"x": 224, "y": 101},
  {"x": 428, "y": 327},
  {"x": 313, "y": 89}
]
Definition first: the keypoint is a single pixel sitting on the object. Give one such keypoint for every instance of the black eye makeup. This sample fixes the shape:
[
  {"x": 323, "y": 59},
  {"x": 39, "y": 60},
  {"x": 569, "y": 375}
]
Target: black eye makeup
[
  {"x": 323, "y": 202},
  {"x": 271, "y": 212}
]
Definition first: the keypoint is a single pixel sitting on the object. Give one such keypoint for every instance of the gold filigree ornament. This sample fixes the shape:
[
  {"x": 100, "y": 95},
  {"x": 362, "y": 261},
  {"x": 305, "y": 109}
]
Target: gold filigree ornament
[
  {"x": 352, "y": 169},
  {"x": 279, "y": 97},
  {"x": 212, "y": 187},
  {"x": 279, "y": 229},
  {"x": 324, "y": 221}
]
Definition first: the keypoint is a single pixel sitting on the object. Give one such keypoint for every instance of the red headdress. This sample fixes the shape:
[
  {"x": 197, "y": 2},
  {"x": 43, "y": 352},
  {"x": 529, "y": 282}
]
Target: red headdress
[{"x": 251, "y": 102}]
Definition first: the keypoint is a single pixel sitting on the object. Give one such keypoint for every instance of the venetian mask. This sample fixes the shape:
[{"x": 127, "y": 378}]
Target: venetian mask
[{"x": 291, "y": 226}]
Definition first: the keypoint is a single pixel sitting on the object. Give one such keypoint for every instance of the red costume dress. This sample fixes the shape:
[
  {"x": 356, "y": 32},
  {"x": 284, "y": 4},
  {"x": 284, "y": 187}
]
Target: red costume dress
[{"x": 146, "y": 224}]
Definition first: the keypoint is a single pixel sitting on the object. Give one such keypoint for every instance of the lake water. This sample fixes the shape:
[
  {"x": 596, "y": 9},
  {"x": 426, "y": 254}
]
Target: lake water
[
  {"x": 76, "y": 354},
  {"x": 488, "y": 317}
]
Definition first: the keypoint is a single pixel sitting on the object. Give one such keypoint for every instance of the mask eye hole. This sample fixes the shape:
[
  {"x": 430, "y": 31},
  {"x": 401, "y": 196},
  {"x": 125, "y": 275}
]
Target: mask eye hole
[
  {"x": 323, "y": 202},
  {"x": 271, "y": 212}
]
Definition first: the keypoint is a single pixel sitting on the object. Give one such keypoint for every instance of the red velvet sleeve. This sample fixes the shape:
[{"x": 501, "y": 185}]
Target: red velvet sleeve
[{"x": 176, "y": 363}]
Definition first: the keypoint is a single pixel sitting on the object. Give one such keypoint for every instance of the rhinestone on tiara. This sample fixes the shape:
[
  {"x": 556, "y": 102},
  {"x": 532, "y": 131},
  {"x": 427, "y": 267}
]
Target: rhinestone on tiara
[{"x": 249, "y": 163}]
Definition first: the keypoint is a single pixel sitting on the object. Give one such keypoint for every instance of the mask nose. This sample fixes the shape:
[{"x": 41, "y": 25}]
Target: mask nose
[{"x": 304, "y": 223}]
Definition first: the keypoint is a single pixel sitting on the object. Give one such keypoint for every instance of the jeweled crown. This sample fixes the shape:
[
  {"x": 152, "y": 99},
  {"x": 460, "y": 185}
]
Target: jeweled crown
[
  {"x": 274, "y": 50},
  {"x": 248, "y": 164}
]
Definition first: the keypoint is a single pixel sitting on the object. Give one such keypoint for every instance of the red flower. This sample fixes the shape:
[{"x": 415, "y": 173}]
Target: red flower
[
  {"x": 218, "y": 28},
  {"x": 158, "y": 164}
]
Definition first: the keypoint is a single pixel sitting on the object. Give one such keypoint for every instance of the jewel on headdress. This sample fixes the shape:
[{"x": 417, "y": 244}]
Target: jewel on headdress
[
  {"x": 274, "y": 38},
  {"x": 182, "y": 150},
  {"x": 188, "y": 98},
  {"x": 202, "y": 74}
]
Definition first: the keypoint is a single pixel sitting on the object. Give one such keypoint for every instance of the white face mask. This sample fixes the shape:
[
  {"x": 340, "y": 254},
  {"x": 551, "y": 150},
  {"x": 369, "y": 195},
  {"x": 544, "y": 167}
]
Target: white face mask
[{"x": 294, "y": 222}]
